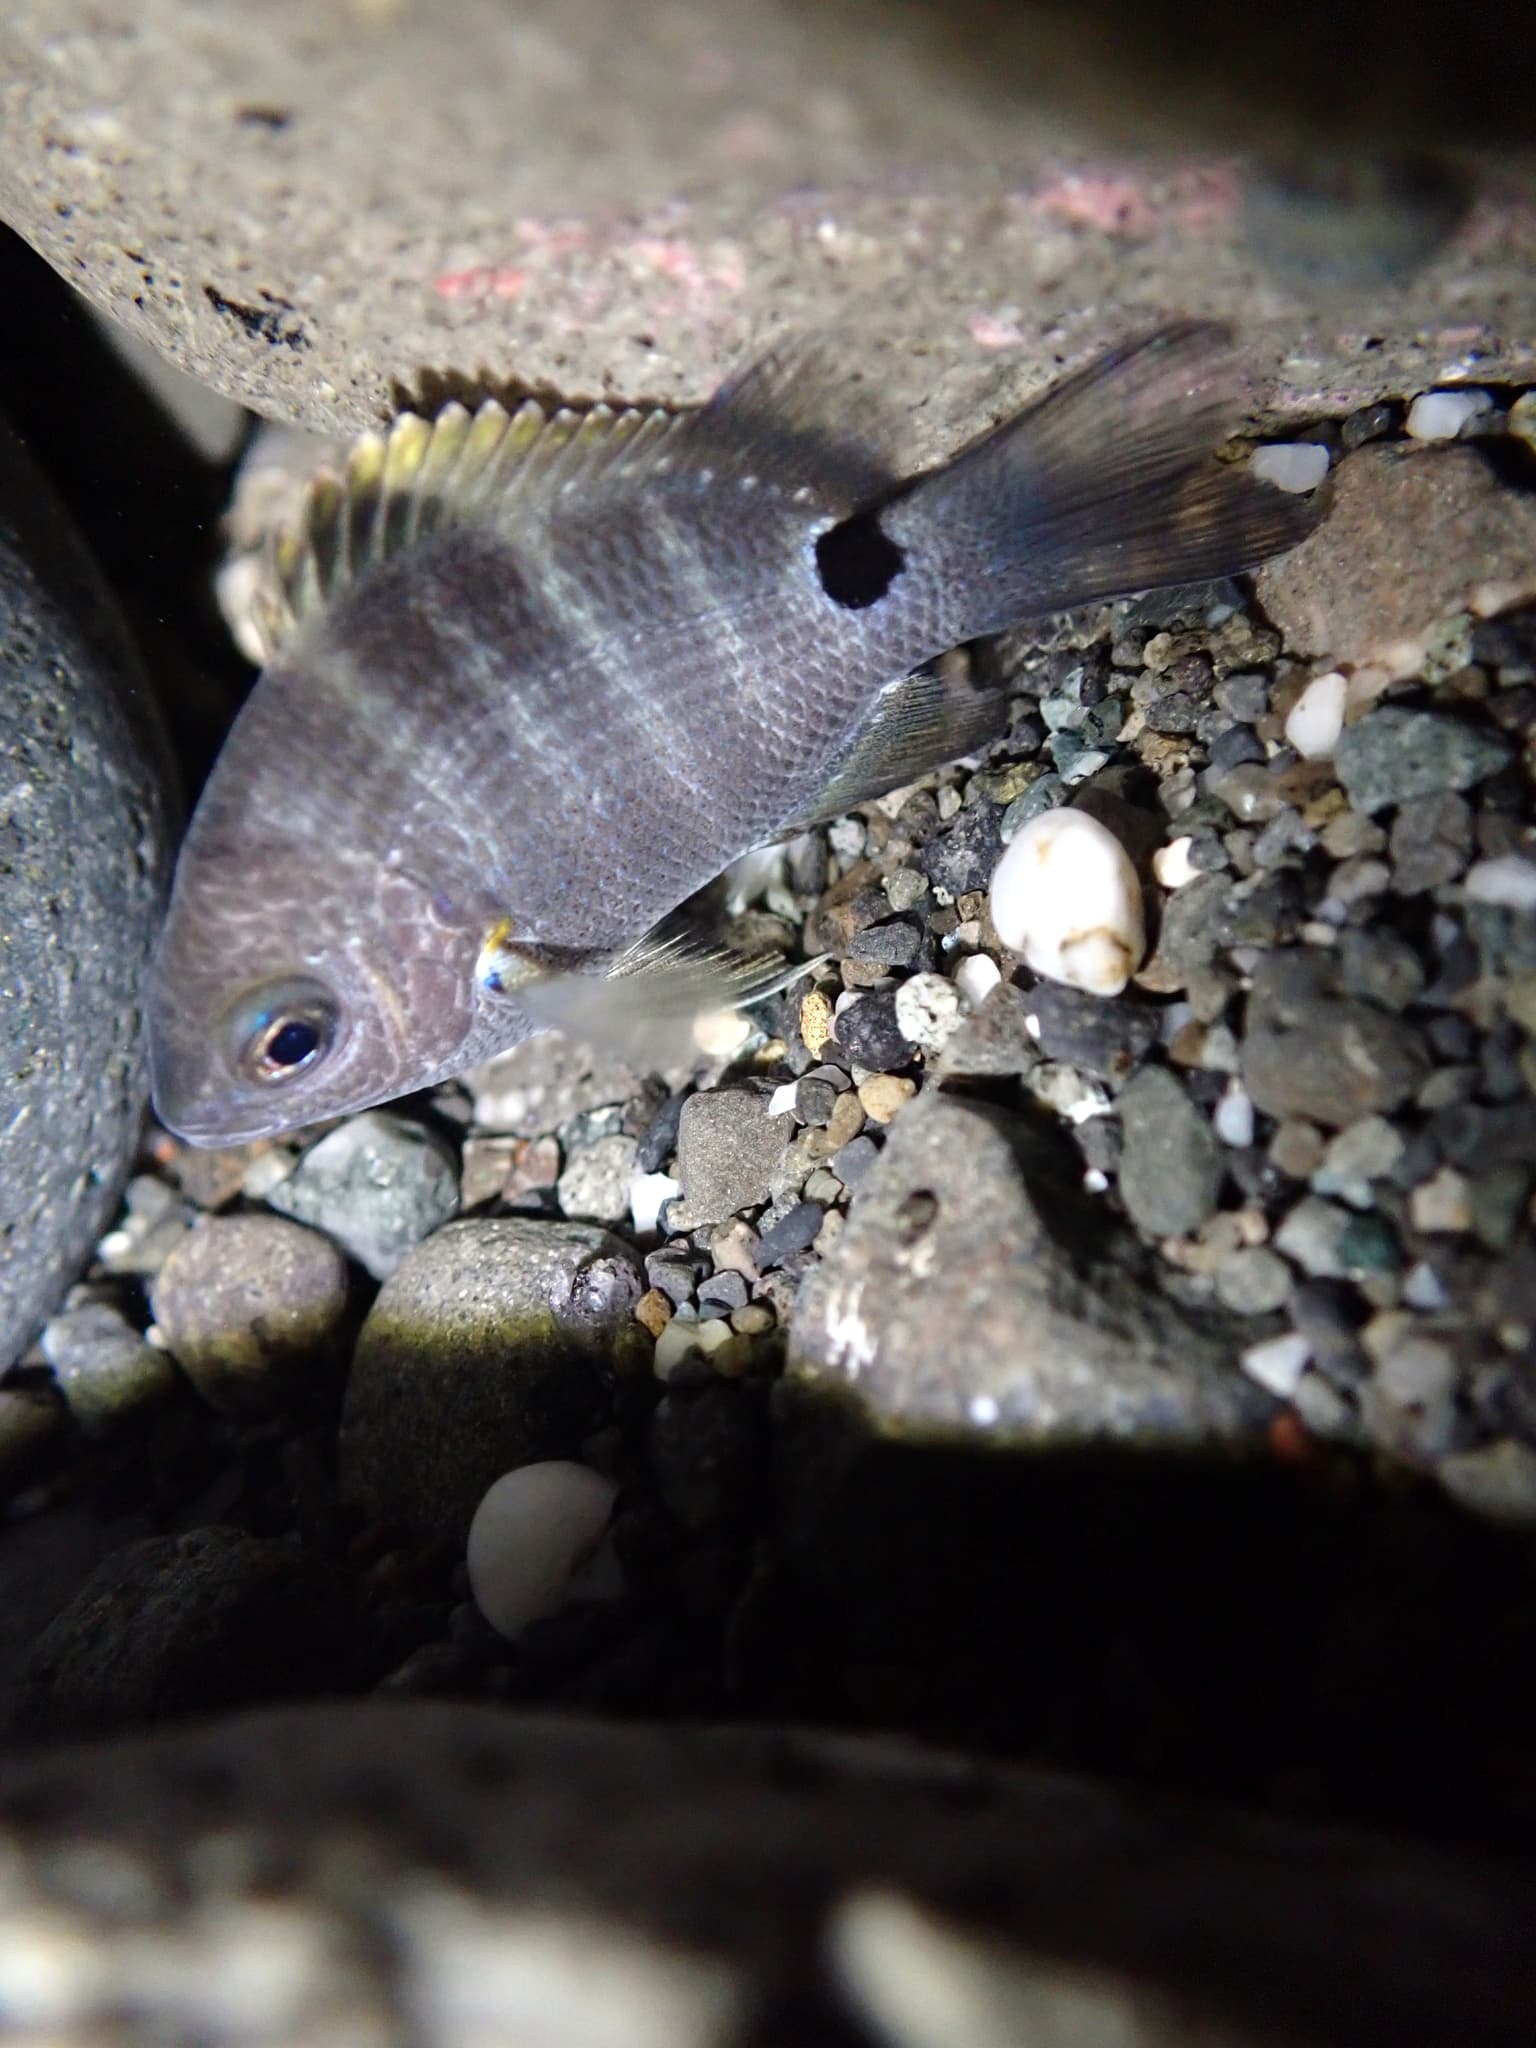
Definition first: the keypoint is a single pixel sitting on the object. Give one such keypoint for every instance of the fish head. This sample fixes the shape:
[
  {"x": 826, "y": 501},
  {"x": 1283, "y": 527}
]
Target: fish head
[{"x": 297, "y": 980}]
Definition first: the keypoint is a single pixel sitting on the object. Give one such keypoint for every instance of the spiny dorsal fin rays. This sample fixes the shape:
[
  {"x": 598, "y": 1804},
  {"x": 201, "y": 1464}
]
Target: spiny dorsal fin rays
[{"x": 793, "y": 421}]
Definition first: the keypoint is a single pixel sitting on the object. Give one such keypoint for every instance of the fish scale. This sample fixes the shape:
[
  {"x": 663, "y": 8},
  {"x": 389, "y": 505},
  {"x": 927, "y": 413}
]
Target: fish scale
[{"x": 538, "y": 678}]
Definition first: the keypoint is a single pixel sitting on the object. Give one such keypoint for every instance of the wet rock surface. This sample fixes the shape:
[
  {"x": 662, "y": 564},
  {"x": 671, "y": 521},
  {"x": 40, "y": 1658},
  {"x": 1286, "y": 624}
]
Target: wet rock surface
[{"x": 84, "y": 856}]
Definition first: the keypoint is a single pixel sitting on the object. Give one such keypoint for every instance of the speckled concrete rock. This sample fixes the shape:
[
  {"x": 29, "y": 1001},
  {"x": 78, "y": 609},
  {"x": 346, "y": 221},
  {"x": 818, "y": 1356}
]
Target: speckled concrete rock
[
  {"x": 83, "y": 861},
  {"x": 451, "y": 1875},
  {"x": 486, "y": 1349},
  {"x": 312, "y": 205},
  {"x": 969, "y": 1292}
]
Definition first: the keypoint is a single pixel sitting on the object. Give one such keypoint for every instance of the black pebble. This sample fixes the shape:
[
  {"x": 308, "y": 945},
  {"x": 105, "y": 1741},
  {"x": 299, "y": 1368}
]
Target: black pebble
[
  {"x": 867, "y": 1031},
  {"x": 794, "y": 1232},
  {"x": 962, "y": 857}
]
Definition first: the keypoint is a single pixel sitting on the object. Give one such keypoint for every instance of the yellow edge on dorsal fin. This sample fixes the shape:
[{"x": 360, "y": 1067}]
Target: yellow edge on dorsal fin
[{"x": 784, "y": 423}]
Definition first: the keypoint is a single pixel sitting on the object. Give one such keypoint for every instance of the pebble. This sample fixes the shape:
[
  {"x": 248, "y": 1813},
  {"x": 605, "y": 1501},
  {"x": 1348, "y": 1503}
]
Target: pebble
[
  {"x": 963, "y": 857},
  {"x": 653, "y": 1311},
  {"x": 1066, "y": 897},
  {"x": 1509, "y": 881},
  {"x": 377, "y": 1185},
  {"x": 854, "y": 1161},
  {"x": 1290, "y": 465},
  {"x": 152, "y": 1224},
  {"x": 1171, "y": 1165},
  {"x": 249, "y": 1307},
  {"x": 728, "y": 1149},
  {"x": 794, "y": 1232},
  {"x": 883, "y": 1094},
  {"x": 1431, "y": 842},
  {"x": 103, "y": 1367},
  {"x": 1381, "y": 966},
  {"x": 1104, "y": 1039},
  {"x": 892, "y": 944},
  {"x": 1316, "y": 719},
  {"x": 1253, "y": 1281},
  {"x": 1441, "y": 1204},
  {"x": 868, "y": 1032},
  {"x": 975, "y": 978},
  {"x": 715, "y": 1340},
  {"x": 598, "y": 1182},
  {"x": 1498, "y": 1480},
  {"x": 1233, "y": 1118},
  {"x": 489, "y": 1347},
  {"x": 1277, "y": 1363},
  {"x": 927, "y": 1012},
  {"x": 1172, "y": 865},
  {"x": 1409, "y": 1403},
  {"x": 1394, "y": 755},
  {"x": 1312, "y": 1234},
  {"x": 545, "y": 1082},
  {"x": 722, "y": 1292},
  {"x": 1313, "y": 1054},
  {"x": 1442, "y": 415},
  {"x": 814, "y": 1100},
  {"x": 533, "y": 1532},
  {"x": 1364, "y": 1151},
  {"x": 815, "y": 1022}
]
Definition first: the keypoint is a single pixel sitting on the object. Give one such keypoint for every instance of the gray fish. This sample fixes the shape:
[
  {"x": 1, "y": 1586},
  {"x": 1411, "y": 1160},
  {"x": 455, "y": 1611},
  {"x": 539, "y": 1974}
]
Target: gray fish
[{"x": 540, "y": 677}]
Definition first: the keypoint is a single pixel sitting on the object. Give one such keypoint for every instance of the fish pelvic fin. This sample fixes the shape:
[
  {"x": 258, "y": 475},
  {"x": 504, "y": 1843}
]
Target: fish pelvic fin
[
  {"x": 1108, "y": 485},
  {"x": 646, "y": 1003}
]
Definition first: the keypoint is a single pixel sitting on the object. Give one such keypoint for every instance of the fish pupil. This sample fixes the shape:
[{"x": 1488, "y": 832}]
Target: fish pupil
[
  {"x": 858, "y": 561},
  {"x": 292, "y": 1043}
]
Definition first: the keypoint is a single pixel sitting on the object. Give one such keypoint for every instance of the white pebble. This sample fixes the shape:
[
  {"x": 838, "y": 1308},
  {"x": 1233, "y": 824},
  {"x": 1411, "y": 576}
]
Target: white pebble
[
  {"x": 685, "y": 1336},
  {"x": 648, "y": 1195},
  {"x": 782, "y": 1101},
  {"x": 1171, "y": 863},
  {"x": 927, "y": 1011},
  {"x": 1066, "y": 896},
  {"x": 1232, "y": 1118},
  {"x": 1422, "y": 1288},
  {"x": 1317, "y": 717},
  {"x": 535, "y": 1528},
  {"x": 976, "y": 977},
  {"x": 1278, "y": 1363},
  {"x": 1441, "y": 415},
  {"x": 1290, "y": 465},
  {"x": 1509, "y": 880},
  {"x": 719, "y": 1033}
]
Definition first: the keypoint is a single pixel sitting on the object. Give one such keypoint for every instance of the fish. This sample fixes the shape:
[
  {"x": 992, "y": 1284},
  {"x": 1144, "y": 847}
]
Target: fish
[{"x": 538, "y": 675}]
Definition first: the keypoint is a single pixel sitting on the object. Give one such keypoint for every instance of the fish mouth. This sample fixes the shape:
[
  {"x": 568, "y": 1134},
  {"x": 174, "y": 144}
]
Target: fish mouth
[{"x": 199, "y": 1115}]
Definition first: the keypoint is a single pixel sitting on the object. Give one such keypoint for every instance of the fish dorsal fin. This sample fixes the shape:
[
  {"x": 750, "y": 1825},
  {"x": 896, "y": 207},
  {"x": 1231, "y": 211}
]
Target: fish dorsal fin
[
  {"x": 779, "y": 423},
  {"x": 917, "y": 725}
]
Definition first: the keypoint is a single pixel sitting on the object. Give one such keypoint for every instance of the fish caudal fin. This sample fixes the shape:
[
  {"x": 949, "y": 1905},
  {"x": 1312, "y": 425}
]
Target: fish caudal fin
[{"x": 1108, "y": 485}]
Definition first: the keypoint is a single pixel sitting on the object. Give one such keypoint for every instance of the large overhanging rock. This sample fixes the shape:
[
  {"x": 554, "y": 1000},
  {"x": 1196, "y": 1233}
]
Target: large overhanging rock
[
  {"x": 318, "y": 207},
  {"x": 458, "y": 1875}
]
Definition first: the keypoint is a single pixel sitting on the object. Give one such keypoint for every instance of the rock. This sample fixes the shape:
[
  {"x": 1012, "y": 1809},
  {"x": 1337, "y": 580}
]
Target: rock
[
  {"x": 1107, "y": 1039},
  {"x": 558, "y": 1878},
  {"x": 883, "y": 1094},
  {"x": 1364, "y": 1151},
  {"x": 105, "y": 1370},
  {"x": 378, "y": 1184},
  {"x": 1411, "y": 536},
  {"x": 1252, "y": 1282},
  {"x": 868, "y": 1031},
  {"x": 1316, "y": 720},
  {"x": 1394, "y": 755},
  {"x": 970, "y": 1220},
  {"x": 1066, "y": 897},
  {"x": 794, "y": 1231},
  {"x": 1290, "y": 465},
  {"x": 543, "y": 1083},
  {"x": 179, "y": 1625},
  {"x": 1171, "y": 1165},
  {"x": 488, "y": 1348},
  {"x": 728, "y": 1149},
  {"x": 83, "y": 862},
  {"x": 928, "y": 1011},
  {"x": 1442, "y": 415},
  {"x": 250, "y": 1307},
  {"x": 533, "y": 1532},
  {"x": 962, "y": 857},
  {"x": 1314, "y": 1054},
  {"x": 1431, "y": 841},
  {"x": 595, "y": 1186}
]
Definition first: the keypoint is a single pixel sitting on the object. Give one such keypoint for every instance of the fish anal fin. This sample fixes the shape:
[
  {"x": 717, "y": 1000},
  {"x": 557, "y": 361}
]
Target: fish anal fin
[{"x": 917, "y": 725}]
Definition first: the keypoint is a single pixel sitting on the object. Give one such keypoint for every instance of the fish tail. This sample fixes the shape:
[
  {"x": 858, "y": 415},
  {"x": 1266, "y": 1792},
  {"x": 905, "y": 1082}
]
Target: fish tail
[{"x": 1105, "y": 486}]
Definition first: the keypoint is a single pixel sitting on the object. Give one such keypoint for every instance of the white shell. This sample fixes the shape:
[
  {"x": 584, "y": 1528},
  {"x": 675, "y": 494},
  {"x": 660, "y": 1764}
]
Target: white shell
[
  {"x": 1317, "y": 717},
  {"x": 533, "y": 1531},
  {"x": 1066, "y": 896}
]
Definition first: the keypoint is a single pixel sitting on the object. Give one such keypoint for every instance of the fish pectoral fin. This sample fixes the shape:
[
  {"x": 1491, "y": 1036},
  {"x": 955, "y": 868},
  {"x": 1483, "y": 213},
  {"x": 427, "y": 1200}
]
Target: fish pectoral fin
[
  {"x": 918, "y": 725},
  {"x": 646, "y": 1003}
]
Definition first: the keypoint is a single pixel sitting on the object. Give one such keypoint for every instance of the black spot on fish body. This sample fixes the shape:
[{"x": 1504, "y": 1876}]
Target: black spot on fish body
[{"x": 858, "y": 561}]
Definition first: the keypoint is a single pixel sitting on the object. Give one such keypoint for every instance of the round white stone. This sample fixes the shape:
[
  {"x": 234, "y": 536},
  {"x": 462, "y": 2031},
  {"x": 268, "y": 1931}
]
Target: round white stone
[
  {"x": 533, "y": 1531},
  {"x": 1232, "y": 1119},
  {"x": 1441, "y": 415},
  {"x": 927, "y": 1011},
  {"x": 1507, "y": 879},
  {"x": 1171, "y": 863},
  {"x": 1290, "y": 465},
  {"x": 1317, "y": 717},
  {"x": 1066, "y": 897}
]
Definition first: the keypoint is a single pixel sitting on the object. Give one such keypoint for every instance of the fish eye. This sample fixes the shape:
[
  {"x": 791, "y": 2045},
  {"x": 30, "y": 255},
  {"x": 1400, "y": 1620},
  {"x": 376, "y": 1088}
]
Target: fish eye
[{"x": 283, "y": 1029}]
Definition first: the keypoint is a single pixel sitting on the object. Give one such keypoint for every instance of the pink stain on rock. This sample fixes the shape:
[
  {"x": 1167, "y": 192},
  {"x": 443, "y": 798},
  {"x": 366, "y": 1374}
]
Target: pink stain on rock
[
  {"x": 990, "y": 332},
  {"x": 1113, "y": 205},
  {"x": 481, "y": 281}
]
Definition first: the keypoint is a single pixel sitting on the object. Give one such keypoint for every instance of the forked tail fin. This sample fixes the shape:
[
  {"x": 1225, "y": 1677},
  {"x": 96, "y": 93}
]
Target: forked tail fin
[{"x": 1106, "y": 485}]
